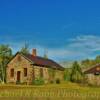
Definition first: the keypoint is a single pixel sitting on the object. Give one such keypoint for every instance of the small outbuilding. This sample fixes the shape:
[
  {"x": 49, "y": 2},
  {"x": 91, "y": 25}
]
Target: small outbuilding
[{"x": 93, "y": 74}]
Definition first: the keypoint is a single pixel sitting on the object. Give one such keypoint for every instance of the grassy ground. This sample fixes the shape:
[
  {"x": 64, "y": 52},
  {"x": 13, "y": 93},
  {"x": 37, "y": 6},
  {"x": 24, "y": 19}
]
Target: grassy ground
[{"x": 64, "y": 91}]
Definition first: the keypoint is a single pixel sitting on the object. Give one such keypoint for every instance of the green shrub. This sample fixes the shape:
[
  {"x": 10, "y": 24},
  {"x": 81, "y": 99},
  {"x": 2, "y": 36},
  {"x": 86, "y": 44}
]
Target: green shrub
[
  {"x": 52, "y": 81},
  {"x": 24, "y": 83},
  {"x": 57, "y": 81},
  {"x": 18, "y": 82},
  {"x": 76, "y": 73},
  {"x": 38, "y": 81},
  {"x": 11, "y": 82}
]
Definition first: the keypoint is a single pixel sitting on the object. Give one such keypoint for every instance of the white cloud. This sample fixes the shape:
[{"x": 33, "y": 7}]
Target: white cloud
[
  {"x": 80, "y": 47},
  {"x": 87, "y": 43},
  {"x": 84, "y": 38}
]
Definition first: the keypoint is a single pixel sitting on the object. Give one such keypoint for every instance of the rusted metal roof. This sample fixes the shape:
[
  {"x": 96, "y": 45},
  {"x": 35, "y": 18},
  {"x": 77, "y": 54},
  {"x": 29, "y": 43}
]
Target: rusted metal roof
[
  {"x": 93, "y": 69},
  {"x": 37, "y": 60}
]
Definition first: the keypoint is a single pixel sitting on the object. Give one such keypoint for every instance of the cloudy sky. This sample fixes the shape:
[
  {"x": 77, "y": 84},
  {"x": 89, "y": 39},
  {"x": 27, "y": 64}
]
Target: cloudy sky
[{"x": 66, "y": 29}]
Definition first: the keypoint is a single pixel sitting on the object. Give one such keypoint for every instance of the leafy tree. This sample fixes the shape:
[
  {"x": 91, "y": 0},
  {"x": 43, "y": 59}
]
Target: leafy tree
[
  {"x": 5, "y": 56},
  {"x": 88, "y": 62},
  {"x": 25, "y": 49},
  {"x": 76, "y": 74},
  {"x": 85, "y": 62},
  {"x": 45, "y": 54},
  {"x": 67, "y": 73},
  {"x": 97, "y": 59}
]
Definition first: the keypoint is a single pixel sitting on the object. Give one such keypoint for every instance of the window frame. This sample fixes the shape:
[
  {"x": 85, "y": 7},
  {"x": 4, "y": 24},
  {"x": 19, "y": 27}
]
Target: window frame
[
  {"x": 19, "y": 58},
  {"x": 25, "y": 72},
  {"x": 12, "y": 72},
  {"x": 97, "y": 73},
  {"x": 41, "y": 72}
]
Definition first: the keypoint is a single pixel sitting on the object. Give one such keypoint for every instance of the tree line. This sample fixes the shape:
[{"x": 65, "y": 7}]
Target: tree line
[
  {"x": 76, "y": 72},
  {"x": 73, "y": 74}
]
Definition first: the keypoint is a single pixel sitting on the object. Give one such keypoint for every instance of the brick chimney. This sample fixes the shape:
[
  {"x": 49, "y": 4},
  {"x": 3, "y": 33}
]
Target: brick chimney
[{"x": 34, "y": 52}]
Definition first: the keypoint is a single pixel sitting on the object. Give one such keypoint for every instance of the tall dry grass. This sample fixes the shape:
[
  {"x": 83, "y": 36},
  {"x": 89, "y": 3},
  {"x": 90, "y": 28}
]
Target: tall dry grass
[{"x": 64, "y": 91}]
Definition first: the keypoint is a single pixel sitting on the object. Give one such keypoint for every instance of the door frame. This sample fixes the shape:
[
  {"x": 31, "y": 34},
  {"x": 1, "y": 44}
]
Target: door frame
[{"x": 18, "y": 77}]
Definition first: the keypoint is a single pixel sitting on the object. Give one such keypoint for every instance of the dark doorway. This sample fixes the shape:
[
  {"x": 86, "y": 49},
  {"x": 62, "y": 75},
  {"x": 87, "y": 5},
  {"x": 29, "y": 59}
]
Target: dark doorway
[{"x": 18, "y": 76}]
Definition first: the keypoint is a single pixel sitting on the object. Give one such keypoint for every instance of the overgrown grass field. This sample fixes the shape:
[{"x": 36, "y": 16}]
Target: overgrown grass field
[{"x": 63, "y": 91}]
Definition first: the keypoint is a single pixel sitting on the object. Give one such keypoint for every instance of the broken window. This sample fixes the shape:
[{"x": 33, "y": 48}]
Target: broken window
[
  {"x": 12, "y": 72},
  {"x": 41, "y": 72},
  {"x": 25, "y": 72}
]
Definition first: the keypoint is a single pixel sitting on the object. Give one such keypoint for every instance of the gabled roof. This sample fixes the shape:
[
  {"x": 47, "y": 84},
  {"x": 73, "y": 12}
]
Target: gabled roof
[
  {"x": 94, "y": 69},
  {"x": 40, "y": 61}
]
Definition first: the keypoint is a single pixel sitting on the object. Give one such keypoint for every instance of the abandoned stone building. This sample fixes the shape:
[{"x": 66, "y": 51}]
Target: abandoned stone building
[{"x": 27, "y": 67}]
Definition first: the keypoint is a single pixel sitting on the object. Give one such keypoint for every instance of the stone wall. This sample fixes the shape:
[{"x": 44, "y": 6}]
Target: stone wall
[
  {"x": 45, "y": 73},
  {"x": 59, "y": 75},
  {"x": 93, "y": 79}
]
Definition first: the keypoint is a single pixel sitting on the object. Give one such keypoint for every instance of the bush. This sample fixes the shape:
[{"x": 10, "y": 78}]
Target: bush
[
  {"x": 38, "y": 81},
  {"x": 18, "y": 82},
  {"x": 24, "y": 83},
  {"x": 52, "y": 81},
  {"x": 76, "y": 74},
  {"x": 57, "y": 81},
  {"x": 12, "y": 83}
]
